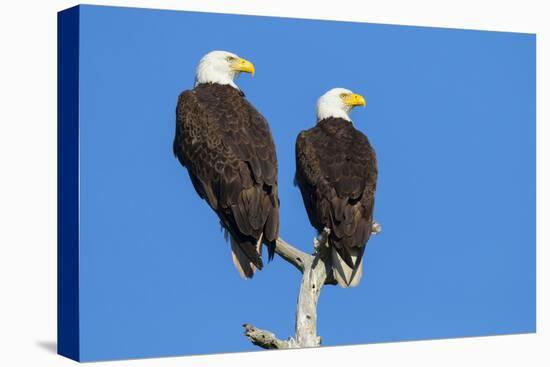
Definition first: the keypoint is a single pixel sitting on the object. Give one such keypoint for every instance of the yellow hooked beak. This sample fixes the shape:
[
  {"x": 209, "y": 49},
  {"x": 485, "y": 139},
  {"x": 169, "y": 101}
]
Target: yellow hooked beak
[
  {"x": 243, "y": 65},
  {"x": 353, "y": 100}
]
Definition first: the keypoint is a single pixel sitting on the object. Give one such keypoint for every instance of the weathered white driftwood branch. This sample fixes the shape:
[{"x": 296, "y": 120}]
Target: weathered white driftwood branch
[
  {"x": 316, "y": 270},
  {"x": 291, "y": 254},
  {"x": 264, "y": 338}
]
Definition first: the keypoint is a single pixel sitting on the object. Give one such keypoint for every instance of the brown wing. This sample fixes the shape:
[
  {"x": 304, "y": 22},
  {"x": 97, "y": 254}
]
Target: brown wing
[
  {"x": 229, "y": 153},
  {"x": 336, "y": 172}
]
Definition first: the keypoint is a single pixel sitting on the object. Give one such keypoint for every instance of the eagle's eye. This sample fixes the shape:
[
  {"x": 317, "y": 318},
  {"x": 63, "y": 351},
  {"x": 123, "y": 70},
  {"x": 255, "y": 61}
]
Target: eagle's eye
[
  {"x": 230, "y": 58},
  {"x": 343, "y": 95}
]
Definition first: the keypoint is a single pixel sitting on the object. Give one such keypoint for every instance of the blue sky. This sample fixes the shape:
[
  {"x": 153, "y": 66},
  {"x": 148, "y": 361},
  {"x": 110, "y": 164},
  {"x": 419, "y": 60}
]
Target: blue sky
[{"x": 451, "y": 114}]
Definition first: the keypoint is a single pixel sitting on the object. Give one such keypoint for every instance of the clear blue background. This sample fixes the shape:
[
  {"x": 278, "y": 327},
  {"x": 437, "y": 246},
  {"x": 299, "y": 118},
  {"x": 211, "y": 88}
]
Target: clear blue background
[{"x": 451, "y": 114}]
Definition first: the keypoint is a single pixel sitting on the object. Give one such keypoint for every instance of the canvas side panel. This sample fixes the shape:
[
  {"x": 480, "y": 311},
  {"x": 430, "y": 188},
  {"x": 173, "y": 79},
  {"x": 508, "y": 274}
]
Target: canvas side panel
[{"x": 67, "y": 184}]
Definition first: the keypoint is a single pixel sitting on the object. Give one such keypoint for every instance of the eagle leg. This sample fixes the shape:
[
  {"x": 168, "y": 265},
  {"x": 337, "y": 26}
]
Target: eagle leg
[{"x": 321, "y": 240}]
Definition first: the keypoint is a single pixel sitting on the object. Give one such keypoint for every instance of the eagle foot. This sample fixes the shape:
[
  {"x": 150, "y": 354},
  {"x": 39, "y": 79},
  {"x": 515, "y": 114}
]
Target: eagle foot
[
  {"x": 321, "y": 240},
  {"x": 316, "y": 244},
  {"x": 323, "y": 236},
  {"x": 376, "y": 228}
]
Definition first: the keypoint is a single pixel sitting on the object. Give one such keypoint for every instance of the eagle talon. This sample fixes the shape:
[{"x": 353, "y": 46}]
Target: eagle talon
[
  {"x": 323, "y": 237},
  {"x": 316, "y": 243}
]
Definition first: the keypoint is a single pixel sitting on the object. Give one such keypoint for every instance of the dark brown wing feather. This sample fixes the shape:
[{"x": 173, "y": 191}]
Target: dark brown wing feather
[
  {"x": 228, "y": 150},
  {"x": 336, "y": 172}
]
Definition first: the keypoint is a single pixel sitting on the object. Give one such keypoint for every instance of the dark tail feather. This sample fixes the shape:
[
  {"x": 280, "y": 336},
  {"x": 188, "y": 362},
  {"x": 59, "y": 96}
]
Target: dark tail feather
[
  {"x": 345, "y": 275},
  {"x": 347, "y": 257},
  {"x": 253, "y": 253},
  {"x": 271, "y": 250},
  {"x": 245, "y": 262},
  {"x": 243, "y": 265}
]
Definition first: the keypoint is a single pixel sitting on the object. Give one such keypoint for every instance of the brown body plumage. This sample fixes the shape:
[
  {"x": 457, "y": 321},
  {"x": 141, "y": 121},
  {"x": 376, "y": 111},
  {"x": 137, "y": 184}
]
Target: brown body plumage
[
  {"x": 227, "y": 147},
  {"x": 336, "y": 172}
]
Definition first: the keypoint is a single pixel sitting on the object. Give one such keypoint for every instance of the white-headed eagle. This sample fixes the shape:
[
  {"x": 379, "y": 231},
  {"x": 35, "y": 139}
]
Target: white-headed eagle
[
  {"x": 227, "y": 148},
  {"x": 336, "y": 172}
]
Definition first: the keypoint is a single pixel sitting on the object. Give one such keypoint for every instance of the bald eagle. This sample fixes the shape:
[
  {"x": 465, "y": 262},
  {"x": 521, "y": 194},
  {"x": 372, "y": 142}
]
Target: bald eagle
[
  {"x": 336, "y": 172},
  {"x": 227, "y": 148}
]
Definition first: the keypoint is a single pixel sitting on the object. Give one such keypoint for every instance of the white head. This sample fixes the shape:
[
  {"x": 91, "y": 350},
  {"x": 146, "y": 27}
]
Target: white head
[
  {"x": 222, "y": 67},
  {"x": 338, "y": 102}
]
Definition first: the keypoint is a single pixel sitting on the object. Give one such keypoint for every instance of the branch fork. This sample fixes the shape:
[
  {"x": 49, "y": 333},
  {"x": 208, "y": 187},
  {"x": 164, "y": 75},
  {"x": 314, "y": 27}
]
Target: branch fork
[{"x": 317, "y": 272}]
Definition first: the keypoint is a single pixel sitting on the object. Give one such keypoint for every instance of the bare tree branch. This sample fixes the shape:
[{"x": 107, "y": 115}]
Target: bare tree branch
[
  {"x": 291, "y": 254},
  {"x": 315, "y": 275},
  {"x": 317, "y": 271},
  {"x": 264, "y": 339}
]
